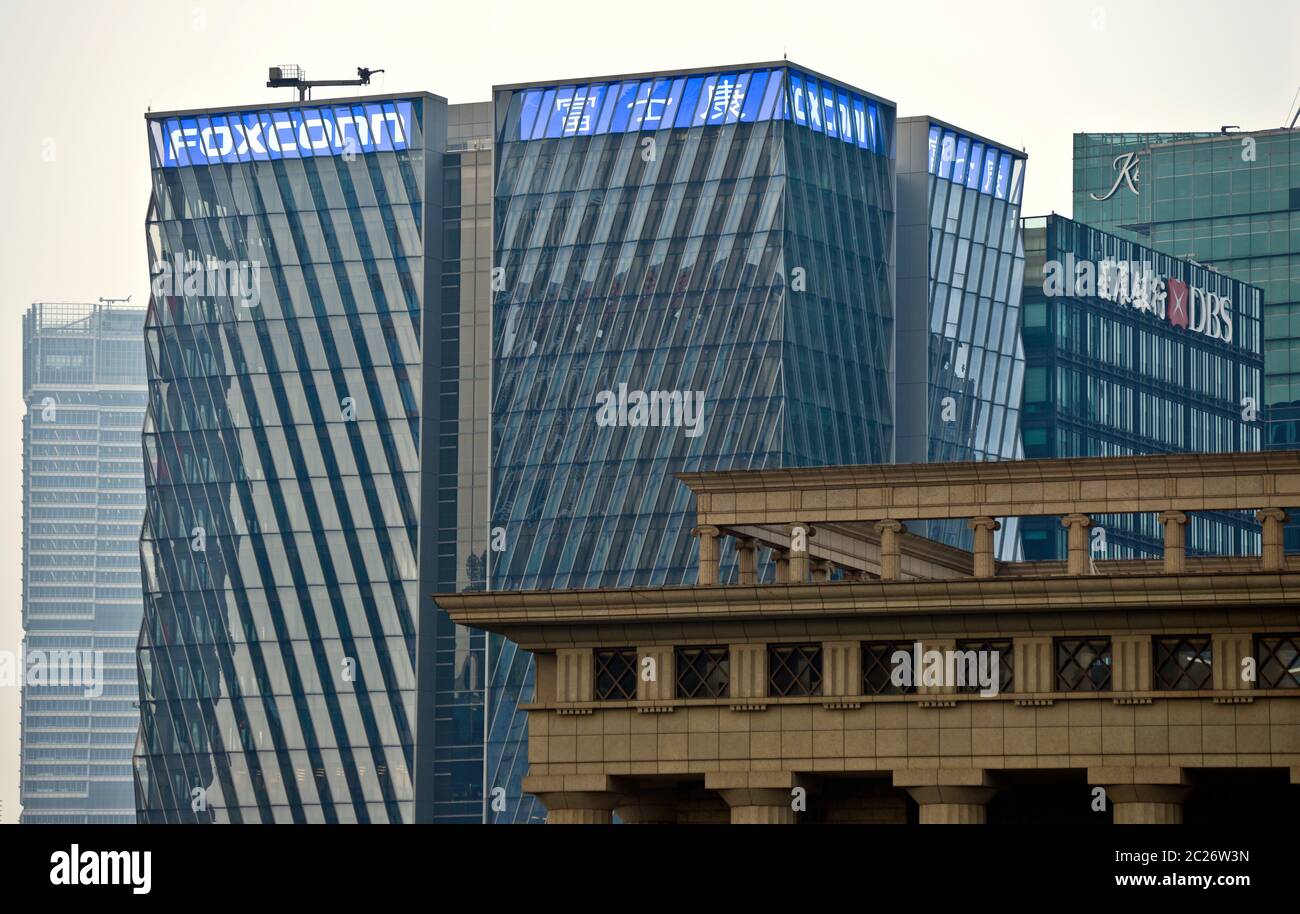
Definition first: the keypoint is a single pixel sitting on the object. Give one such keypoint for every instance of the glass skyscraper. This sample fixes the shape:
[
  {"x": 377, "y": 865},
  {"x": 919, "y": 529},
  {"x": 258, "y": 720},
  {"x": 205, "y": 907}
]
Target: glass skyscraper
[
  {"x": 1230, "y": 201},
  {"x": 693, "y": 271},
  {"x": 83, "y": 498},
  {"x": 291, "y": 652},
  {"x": 960, "y": 273},
  {"x": 1131, "y": 351}
]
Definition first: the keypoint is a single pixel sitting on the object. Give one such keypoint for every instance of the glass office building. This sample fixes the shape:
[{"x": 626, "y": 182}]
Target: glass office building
[
  {"x": 960, "y": 274},
  {"x": 83, "y": 498},
  {"x": 1132, "y": 351},
  {"x": 291, "y": 651},
  {"x": 693, "y": 270},
  {"x": 1230, "y": 201}
]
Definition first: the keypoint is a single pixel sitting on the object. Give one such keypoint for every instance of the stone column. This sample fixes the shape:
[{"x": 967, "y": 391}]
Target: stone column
[
  {"x": 574, "y": 799},
  {"x": 1273, "y": 557},
  {"x": 708, "y": 537},
  {"x": 891, "y": 560},
  {"x": 1147, "y": 804},
  {"x": 948, "y": 796},
  {"x": 948, "y": 805},
  {"x": 1077, "y": 544},
  {"x": 781, "y": 557},
  {"x": 1143, "y": 796},
  {"x": 821, "y": 571},
  {"x": 984, "y": 528},
  {"x": 747, "y": 561},
  {"x": 1175, "y": 541},
  {"x": 799, "y": 534},
  {"x": 759, "y": 797}
]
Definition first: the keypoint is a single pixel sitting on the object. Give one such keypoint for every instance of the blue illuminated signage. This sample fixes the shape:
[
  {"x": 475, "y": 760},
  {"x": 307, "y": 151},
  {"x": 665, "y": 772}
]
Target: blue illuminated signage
[
  {"x": 963, "y": 160},
  {"x": 282, "y": 133},
  {"x": 712, "y": 99}
]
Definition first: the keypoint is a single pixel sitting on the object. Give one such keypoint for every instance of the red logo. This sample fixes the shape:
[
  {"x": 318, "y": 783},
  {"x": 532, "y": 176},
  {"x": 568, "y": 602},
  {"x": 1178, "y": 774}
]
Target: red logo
[{"x": 1176, "y": 302}]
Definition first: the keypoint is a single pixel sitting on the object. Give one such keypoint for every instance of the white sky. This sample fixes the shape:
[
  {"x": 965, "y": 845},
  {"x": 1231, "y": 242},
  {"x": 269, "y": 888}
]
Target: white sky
[{"x": 79, "y": 75}]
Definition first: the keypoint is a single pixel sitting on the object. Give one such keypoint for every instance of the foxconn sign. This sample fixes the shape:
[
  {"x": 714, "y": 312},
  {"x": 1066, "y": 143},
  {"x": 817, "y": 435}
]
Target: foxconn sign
[
  {"x": 1136, "y": 285},
  {"x": 293, "y": 133}
]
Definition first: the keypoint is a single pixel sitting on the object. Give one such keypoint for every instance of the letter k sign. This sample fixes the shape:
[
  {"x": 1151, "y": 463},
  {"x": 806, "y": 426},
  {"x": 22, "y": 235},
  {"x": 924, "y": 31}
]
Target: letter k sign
[{"x": 1177, "y": 302}]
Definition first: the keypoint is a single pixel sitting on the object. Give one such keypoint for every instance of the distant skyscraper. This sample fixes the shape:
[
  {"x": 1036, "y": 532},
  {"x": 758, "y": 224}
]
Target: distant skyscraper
[
  {"x": 316, "y": 462},
  {"x": 83, "y": 499}
]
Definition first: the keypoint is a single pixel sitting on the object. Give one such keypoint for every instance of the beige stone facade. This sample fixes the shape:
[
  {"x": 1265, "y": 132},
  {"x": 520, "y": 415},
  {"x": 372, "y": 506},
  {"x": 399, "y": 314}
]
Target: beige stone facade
[{"x": 1186, "y": 651}]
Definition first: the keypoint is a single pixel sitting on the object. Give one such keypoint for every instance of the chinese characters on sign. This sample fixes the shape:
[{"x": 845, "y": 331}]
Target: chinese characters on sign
[
  {"x": 966, "y": 161},
  {"x": 661, "y": 103},
  {"x": 1136, "y": 284}
]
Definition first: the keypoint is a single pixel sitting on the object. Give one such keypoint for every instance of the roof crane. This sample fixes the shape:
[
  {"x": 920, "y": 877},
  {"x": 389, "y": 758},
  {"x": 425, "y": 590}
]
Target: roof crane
[{"x": 295, "y": 77}]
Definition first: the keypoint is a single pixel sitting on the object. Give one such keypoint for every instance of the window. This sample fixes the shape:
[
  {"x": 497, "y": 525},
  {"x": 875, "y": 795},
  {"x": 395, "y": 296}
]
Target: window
[
  {"x": 1278, "y": 657},
  {"x": 703, "y": 672},
  {"x": 878, "y": 668},
  {"x": 1083, "y": 664},
  {"x": 1005, "y": 673},
  {"x": 794, "y": 669},
  {"x": 1181, "y": 663},
  {"x": 616, "y": 674}
]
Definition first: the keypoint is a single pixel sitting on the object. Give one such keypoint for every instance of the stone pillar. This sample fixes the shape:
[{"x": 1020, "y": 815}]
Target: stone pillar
[
  {"x": 1228, "y": 650},
  {"x": 748, "y": 670},
  {"x": 841, "y": 669},
  {"x": 781, "y": 557},
  {"x": 1273, "y": 557},
  {"x": 708, "y": 537},
  {"x": 1147, "y": 804},
  {"x": 1130, "y": 659},
  {"x": 984, "y": 528},
  {"x": 799, "y": 534},
  {"x": 948, "y": 805},
  {"x": 1143, "y": 796},
  {"x": 1034, "y": 664},
  {"x": 747, "y": 561},
  {"x": 574, "y": 799},
  {"x": 821, "y": 571},
  {"x": 1175, "y": 541},
  {"x": 760, "y": 797},
  {"x": 891, "y": 560},
  {"x": 1077, "y": 562},
  {"x": 948, "y": 796}
]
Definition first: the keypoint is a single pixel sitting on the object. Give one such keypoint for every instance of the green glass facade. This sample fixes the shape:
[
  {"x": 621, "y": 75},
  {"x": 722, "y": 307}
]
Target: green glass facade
[
  {"x": 1130, "y": 351},
  {"x": 1228, "y": 201}
]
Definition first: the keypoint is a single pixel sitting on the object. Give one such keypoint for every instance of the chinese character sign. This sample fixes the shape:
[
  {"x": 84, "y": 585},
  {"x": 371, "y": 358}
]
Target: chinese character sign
[{"x": 700, "y": 100}]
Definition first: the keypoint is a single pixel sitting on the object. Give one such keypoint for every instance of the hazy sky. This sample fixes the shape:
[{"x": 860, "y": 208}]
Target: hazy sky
[{"x": 80, "y": 74}]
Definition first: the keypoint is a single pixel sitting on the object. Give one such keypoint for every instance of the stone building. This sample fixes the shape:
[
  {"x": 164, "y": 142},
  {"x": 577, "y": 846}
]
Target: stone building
[{"x": 1173, "y": 685}]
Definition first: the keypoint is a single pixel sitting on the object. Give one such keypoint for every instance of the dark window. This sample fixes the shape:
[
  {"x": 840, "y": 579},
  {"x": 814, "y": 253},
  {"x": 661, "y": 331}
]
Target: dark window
[
  {"x": 1278, "y": 657},
  {"x": 794, "y": 669},
  {"x": 878, "y": 668},
  {"x": 703, "y": 672},
  {"x": 616, "y": 674},
  {"x": 1181, "y": 663},
  {"x": 1000, "y": 649},
  {"x": 1083, "y": 664}
]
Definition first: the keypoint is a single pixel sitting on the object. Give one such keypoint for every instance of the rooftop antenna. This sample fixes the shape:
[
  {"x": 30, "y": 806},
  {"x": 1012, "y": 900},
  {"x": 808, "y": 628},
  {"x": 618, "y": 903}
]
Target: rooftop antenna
[
  {"x": 288, "y": 76},
  {"x": 114, "y": 301}
]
